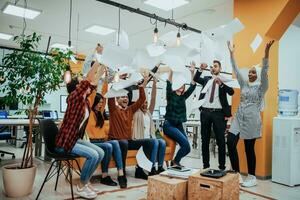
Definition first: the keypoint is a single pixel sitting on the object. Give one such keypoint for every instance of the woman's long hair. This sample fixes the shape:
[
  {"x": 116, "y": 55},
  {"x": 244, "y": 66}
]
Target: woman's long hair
[{"x": 100, "y": 117}]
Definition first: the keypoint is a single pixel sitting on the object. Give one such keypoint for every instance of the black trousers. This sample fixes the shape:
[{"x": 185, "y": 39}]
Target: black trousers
[
  {"x": 126, "y": 145},
  {"x": 217, "y": 121},
  {"x": 232, "y": 141}
]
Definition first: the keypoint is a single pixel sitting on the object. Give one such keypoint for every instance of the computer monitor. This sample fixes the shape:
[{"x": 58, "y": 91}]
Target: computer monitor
[
  {"x": 48, "y": 114},
  {"x": 155, "y": 114},
  {"x": 162, "y": 111}
]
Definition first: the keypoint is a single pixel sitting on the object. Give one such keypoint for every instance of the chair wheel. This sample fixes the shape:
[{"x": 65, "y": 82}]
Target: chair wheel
[
  {"x": 13, "y": 157},
  {"x": 2, "y": 154}
]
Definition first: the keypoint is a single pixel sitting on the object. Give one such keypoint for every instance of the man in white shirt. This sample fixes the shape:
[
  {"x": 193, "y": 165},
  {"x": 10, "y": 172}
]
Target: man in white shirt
[{"x": 214, "y": 111}]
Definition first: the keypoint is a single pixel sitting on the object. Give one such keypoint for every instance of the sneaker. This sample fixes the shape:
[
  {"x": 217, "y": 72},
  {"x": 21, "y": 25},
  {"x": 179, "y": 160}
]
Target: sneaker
[
  {"x": 108, "y": 181},
  {"x": 240, "y": 179},
  {"x": 160, "y": 170},
  {"x": 139, "y": 173},
  {"x": 153, "y": 172},
  {"x": 86, "y": 192},
  {"x": 250, "y": 181},
  {"x": 91, "y": 187},
  {"x": 122, "y": 181}
]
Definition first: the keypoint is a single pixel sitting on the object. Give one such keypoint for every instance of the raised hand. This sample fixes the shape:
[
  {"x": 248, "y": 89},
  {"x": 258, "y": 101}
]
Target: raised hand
[
  {"x": 192, "y": 67},
  {"x": 230, "y": 48},
  {"x": 146, "y": 79},
  {"x": 267, "y": 49},
  {"x": 203, "y": 66}
]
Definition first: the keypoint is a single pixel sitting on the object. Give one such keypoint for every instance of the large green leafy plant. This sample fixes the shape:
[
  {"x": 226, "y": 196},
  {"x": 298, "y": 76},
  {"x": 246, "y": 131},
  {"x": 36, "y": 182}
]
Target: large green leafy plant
[{"x": 27, "y": 76}]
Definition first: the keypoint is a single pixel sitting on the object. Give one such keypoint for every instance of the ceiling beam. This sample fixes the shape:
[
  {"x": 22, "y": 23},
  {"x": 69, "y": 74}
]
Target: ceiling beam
[{"x": 182, "y": 26}]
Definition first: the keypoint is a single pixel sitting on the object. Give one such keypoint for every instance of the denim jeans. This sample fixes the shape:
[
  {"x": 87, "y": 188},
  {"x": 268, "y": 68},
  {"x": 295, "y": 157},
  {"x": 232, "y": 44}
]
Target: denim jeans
[
  {"x": 93, "y": 155},
  {"x": 175, "y": 132},
  {"x": 110, "y": 148},
  {"x": 158, "y": 151},
  {"x": 147, "y": 145}
]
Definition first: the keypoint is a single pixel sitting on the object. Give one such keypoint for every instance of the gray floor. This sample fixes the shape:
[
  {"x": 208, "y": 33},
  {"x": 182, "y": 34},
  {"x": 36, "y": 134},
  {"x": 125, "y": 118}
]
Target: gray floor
[{"x": 137, "y": 188}]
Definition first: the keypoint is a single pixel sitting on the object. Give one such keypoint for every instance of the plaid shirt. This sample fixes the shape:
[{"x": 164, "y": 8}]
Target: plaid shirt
[
  {"x": 176, "y": 108},
  {"x": 69, "y": 132}
]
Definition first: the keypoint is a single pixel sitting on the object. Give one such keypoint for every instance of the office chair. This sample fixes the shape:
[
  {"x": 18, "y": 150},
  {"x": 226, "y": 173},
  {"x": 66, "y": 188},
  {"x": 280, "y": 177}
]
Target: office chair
[
  {"x": 5, "y": 135},
  {"x": 60, "y": 162}
]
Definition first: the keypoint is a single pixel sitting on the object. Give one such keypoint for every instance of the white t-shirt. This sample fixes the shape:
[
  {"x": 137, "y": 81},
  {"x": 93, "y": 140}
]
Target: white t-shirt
[
  {"x": 86, "y": 116},
  {"x": 146, "y": 126}
]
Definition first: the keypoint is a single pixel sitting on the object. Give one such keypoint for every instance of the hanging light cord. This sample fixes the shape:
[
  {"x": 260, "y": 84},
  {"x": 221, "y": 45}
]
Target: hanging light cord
[
  {"x": 119, "y": 27},
  {"x": 70, "y": 24},
  {"x": 24, "y": 19}
]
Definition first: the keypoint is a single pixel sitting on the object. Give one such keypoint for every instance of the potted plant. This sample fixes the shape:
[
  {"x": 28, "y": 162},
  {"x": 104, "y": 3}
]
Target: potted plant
[{"x": 26, "y": 77}]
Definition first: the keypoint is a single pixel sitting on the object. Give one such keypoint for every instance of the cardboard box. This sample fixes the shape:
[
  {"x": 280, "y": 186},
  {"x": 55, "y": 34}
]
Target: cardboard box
[
  {"x": 166, "y": 188},
  {"x": 200, "y": 187}
]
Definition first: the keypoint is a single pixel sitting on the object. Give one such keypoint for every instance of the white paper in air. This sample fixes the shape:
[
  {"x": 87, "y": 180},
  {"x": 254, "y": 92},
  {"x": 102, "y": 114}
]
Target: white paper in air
[
  {"x": 143, "y": 161},
  {"x": 155, "y": 50},
  {"x": 115, "y": 93},
  {"x": 133, "y": 79},
  {"x": 256, "y": 42}
]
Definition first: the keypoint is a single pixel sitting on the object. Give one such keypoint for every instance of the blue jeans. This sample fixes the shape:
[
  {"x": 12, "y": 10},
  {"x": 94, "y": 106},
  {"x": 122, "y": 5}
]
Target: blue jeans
[
  {"x": 158, "y": 151},
  {"x": 110, "y": 148},
  {"x": 175, "y": 132},
  {"x": 93, "y": 155}
]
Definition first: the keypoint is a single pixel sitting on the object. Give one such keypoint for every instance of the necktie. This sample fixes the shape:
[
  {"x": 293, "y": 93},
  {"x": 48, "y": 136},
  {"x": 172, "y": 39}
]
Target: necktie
[{"x": 212, "y": 92}]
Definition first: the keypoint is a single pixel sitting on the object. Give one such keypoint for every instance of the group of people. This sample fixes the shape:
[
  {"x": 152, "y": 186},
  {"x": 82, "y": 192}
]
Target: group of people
[{"x": 87, "y": 131}]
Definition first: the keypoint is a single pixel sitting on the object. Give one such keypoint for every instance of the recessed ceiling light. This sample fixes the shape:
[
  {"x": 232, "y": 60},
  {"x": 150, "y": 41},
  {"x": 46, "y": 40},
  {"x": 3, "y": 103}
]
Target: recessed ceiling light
[
  {"x": 61, "y": 46},
  {"x": 21, "y": 11},
  {"x": 100, "y": 30},
  {"x": 5, "y": 36},
  {"x": 166, "y": 4}
]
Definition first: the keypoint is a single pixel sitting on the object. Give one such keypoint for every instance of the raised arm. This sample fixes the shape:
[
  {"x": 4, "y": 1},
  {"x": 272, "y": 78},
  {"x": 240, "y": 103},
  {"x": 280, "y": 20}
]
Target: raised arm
[
  {"x": 153, "y": 96},
  {"x": 197, "y": 76},
  {"x": 234, "y": 66},
  {"x": 265, "y": 66},
  {"x": 193, "y": 83},
  {"x": 95, "y": 73},
  {"x": 103, "y": 92},
  {"x": 142, "y": 96}
]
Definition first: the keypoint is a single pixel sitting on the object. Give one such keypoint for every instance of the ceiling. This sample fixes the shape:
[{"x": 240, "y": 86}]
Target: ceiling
[{"x": 54, "y": 20}]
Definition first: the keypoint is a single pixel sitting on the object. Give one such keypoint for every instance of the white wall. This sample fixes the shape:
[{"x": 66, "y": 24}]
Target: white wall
[{"x": 289, "y": 62}]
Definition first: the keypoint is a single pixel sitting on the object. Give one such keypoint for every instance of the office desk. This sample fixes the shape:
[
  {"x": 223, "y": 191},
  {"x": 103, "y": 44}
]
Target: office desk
[{"x": 25, "y": 122}]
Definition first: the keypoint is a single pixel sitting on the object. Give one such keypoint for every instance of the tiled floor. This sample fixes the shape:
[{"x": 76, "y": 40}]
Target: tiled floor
[{"x": 137, "y": 188}]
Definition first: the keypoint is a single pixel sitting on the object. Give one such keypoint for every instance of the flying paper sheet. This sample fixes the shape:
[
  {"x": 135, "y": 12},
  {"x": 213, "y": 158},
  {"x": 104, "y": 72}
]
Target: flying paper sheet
[
  {"x": 143, "y": 161},
  {"x": 256, "y": 42},
  {"x": 234, "y": 26},
  {"x": 180, "y": 78},
  {"x": 143, "y": 60},
  {"x": 125, "y": 70},
  {"x": 169, "y": 39},
  {"x": 225, "y": 31},
  {"x": 115, "y": 93},
  {"x": 114, "y": 56},
  {"x": 174, "y": 62},
  {"x": 133, "y": 79},
  {"x": 155, "y": 50},
  {"x": 196, "y": 105}
]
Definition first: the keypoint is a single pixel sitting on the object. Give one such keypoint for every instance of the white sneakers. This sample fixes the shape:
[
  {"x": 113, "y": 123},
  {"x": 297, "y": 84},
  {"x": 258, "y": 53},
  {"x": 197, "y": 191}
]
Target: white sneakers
[
  {"x": 240, "y": 178},
  {"x": 86, "y": 192},
  {"x": 91, "y": 187},
  {"x": 250, "y": 181}
]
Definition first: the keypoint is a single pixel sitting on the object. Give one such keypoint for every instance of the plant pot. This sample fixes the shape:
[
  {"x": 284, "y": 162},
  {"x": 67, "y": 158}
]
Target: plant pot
[{"x": 18, "y": 182}]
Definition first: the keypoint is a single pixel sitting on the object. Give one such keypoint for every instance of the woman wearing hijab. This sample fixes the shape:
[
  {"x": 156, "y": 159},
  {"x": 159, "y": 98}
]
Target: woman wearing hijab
[{"x": 247, "y": 121}]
